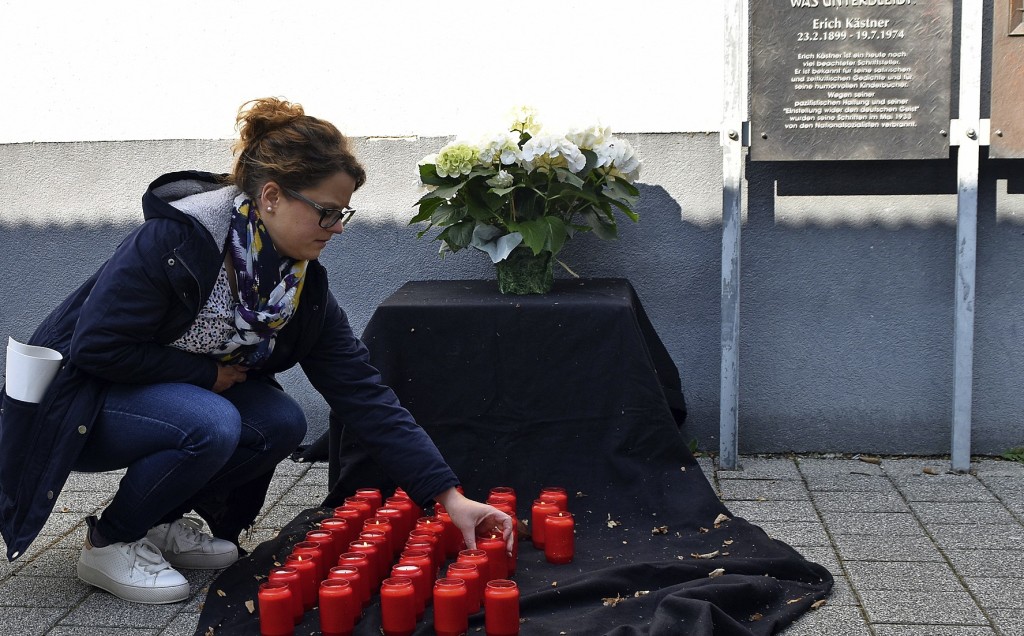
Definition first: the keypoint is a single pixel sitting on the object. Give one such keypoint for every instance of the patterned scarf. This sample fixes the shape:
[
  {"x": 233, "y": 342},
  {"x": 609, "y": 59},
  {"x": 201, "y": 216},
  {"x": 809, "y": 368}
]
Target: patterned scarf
[{"x": 268, "y": 285}]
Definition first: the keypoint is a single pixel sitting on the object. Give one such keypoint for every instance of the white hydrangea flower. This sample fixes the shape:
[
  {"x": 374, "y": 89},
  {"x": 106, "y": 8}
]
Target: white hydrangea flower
[
  {"x": 503, "y": 179},
  {"x": 588, "y": 138},
  {"x": 618, "y": 158},
  {"x": 524, "y": 119},
  {"x": 503, "y": 147},
  {"x": 547, "y": 152}
]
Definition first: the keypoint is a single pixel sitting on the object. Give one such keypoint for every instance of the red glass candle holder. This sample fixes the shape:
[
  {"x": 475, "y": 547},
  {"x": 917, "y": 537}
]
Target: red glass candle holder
[
  {"x": 559, "y": 537},
  {"x": 419, "y": 582},
  {"x": 450, "y": 605},
  {"x": 451, "y": 537},
  {"x": 480, "y": 559},
  {"x": 312, "y": 548},
  {"x": 397, "y": 607},
  {"x": 361, "y": 562},
  {"x": 291, "y": 578},
  {"x": 469, "y": 573},
  {"x": 360, "y": 587},
  {"x": 326, "y": 540},
  {"x": 352, "y": 515},
  {"x": 399, "y": 532},
  {"x": 372, "y": 552},
  {"x": 421, "y": 559},
  {"x": 383, "y": 524},
  {"x": 501, "y": 608},
  {"x": 540, "y": 509},
  {"x": 380, "y": 540},
  {"x": 338, "y": 607},
  {"x": 430, "y": 546},
  {"x": 409, "y": 511},
  {"x": 497, "y": 557},
  {"x": 274, "y": 601},
  {"x": 341, "y": 532},
  {"x": 306, "y": 567},
  {"x": 556, "y": 494},
  {"x": 502, "y": 494},
  {"x": 363, "y": 505},
  {"x": 372, "y": 495}
]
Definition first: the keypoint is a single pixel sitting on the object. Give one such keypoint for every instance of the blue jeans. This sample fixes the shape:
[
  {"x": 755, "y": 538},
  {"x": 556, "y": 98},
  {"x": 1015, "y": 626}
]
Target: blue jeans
[{"x": 181, "y": 443}]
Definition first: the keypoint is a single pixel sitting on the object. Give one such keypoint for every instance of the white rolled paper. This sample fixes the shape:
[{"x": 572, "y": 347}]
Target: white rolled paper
[{"x": 30, "y": 370}]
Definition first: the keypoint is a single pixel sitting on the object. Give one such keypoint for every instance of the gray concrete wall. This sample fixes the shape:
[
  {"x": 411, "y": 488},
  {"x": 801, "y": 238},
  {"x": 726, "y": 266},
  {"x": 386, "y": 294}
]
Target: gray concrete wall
[{"x": 847, "y": 277}]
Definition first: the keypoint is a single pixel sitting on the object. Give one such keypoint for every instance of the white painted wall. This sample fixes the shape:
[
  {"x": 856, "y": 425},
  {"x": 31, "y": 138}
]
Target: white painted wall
[{"x": 123, "y": 69}]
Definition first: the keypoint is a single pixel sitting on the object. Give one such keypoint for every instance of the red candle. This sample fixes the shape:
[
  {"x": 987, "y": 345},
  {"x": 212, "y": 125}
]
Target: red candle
[
  {"x": 451, "y": 537},
  {"x": 379, "y": 539},
  {"x": 419, "y": 583},
  {"x": 497, "y": 559},
  {"x": 306, "y": 567},
  {"x": 291, "y": 578},
  {"x": 450, "y": 615},
  {"x": 338, "y": 607},
  {"x": 480, "y": 559},
  {"x": 312, "y": 548},
  {"x": 501, "y": 608},
  {"x": 556, "y": 494},
  {"x": 275, "y": 607},
  {"x": 397, "y": 606},
  {"x": 421, "y": 559},
  {"x": 469, "y": 573},
  {"x": 398, "y": 527},
  {"x": 540, "y": 510},
  {"x": 559, "y": 537},
  {"x": 511, "y": 559},
  {"x": 372, "y": 495},
  {"x": 360, "y": 587},
  {"x": 352, "y": 515},
  {"x": 383, "y": 524},
  {"x": 372, "y": 552},
  {"x": 330, "y": 549},
  {"x": 428, "y": 546},
  {"x": 502, "y": 494},
  {"x": 363, "y": 505},
  {"x": 360, "y": 562},
  {"x": 434, "y": 525},
  {"x": 408, "y": 508},
  {"x": 339, "y": 528}
]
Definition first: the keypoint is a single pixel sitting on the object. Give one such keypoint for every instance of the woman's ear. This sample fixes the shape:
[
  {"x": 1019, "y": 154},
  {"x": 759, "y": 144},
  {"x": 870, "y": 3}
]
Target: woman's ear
[{"x": 270, "y": 194}]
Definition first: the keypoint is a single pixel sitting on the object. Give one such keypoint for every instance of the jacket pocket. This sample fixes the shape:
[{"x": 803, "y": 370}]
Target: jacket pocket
[{"x": 17, "y": 421}]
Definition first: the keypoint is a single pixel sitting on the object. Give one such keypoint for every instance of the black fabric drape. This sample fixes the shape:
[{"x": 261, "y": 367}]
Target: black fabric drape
[{"x": 566, "y": 389}]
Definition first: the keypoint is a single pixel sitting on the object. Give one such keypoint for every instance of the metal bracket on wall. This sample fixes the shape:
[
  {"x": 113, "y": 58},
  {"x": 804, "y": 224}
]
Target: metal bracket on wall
[{"x": 963, "y": 132}]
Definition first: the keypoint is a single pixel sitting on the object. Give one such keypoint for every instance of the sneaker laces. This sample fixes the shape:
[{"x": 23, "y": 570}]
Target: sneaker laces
[
  {"x": 186, "y": 535},
  {"x": 145, "y": 556}
]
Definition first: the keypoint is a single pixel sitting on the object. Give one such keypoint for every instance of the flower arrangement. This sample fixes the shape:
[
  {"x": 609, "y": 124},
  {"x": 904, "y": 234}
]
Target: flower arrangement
[{"x": 527, "y": 188}]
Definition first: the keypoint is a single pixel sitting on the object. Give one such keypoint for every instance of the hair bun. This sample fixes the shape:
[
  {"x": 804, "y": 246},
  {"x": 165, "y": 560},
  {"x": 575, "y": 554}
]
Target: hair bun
[{"x": 259, "y": 117}]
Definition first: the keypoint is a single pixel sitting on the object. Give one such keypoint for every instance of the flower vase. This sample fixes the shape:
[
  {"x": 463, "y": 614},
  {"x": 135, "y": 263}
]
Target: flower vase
[{"x": 523, "y": 272}]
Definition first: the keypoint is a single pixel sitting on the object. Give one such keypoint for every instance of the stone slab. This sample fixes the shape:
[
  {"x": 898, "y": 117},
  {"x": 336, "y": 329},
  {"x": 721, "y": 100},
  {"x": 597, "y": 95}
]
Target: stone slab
[
  {"x": 974, "y": 513},
  {"x": 831, "y": 501},
  {"x": 861, "y": 547},
  {"x": 762, "y": 490},
  {"x": 42, "y": 591},
  {"x": 758, "y": 511},
  {"x": 926, "y": 608},
  {"x": 873, "y": 523},
  {"x": 971, "y": 537},
  {"x": 931, "y": 630},
  {"x": 997, "y": 593},
  {"x": 834, "y": 620},
  {"x": 106, "y": 610},
  {"x": 762, "y": 468},
  {"x": 987, "y": 563},
  {"x": 796, "y": 533},
  {"x": 29, "y": 621},
  {"x": 902, "y": 576}
]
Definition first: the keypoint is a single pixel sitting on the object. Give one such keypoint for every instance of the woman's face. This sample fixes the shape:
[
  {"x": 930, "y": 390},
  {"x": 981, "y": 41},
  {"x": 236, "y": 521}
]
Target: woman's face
[{"x": 294, "y": 225}]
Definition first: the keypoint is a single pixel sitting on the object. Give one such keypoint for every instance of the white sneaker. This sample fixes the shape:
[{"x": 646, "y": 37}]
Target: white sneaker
[
  {"x": 185, "y": 546},
  {"x": 133, "y": 571}
]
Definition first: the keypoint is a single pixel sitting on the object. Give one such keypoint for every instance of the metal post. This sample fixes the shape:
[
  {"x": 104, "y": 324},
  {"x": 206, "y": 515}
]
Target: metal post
[
  {"x": 732, "y": 139},
  {"x": 968, "y": 136}
]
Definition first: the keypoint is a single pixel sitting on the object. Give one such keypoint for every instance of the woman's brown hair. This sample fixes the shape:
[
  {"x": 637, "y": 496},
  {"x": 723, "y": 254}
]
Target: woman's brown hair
[{"x": 279, "y": 142}]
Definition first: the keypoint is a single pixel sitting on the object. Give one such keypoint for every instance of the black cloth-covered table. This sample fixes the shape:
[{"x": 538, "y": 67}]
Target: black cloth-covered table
[{"x": 575, "y": 389}]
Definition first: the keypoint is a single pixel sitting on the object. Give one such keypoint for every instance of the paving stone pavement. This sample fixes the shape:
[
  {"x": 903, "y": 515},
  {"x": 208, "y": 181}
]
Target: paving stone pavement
[{"x": 915, "y": 549}]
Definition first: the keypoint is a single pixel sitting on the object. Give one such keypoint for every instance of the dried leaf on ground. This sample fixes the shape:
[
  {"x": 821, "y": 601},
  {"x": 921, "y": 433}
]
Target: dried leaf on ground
[
  {"x": 640, "y": 593},
  {"x": 554, "y": 583},
  {"x": 221, "y": 593},
  {"x": 708, "y": 555},
  {"x": 728, "y": 542},
  {"x": 720, "y": 519},
  {"x": 756, "y": 617},
  {"x": 928, "y": 470},
  {"x": 580, "y": 494},
  {"x": 249, "y": 605},
  {"x": 611, "y": 601},
  {"x": 817, "y": 604},
  {"x": 612, "y": 523},
  {"x": 209, "y": 631},
  {"x": 703, "y": 530},
  {"x": 793, "y": 600},
  {"x": 870, "y": 459},
  {"x": 660, "y": 530},
  {"x": 715, "y": 573}
]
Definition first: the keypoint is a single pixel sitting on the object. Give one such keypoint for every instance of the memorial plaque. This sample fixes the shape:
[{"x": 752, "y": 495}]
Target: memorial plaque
[
  {"x": 1007, "y": 80},
  {"x": 850, "y": 79}
]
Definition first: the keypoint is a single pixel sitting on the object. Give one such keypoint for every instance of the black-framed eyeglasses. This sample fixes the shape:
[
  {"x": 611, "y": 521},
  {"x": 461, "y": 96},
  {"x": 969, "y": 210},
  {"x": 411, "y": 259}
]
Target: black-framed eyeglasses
[{"x": 328, "y": 216}]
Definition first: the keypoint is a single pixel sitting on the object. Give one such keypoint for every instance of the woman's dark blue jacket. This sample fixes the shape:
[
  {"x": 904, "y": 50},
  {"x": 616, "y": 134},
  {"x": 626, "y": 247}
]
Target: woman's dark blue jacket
[{"x": 115, "y": 328}]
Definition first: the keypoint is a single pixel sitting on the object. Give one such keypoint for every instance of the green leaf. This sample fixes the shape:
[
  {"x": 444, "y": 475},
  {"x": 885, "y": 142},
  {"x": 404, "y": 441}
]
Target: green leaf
[
  {"x": 568, "y": 177},
  {"x": 460, "y": 234},
  {"x": 556, "y": 234},
  {"x": 427, "y": 209},
  {"x": 447, "y": 215},
  {"x": 602, "y": 228},
  {"x": 428, "y": 175},
  {"x": 444, "y": 192}
]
